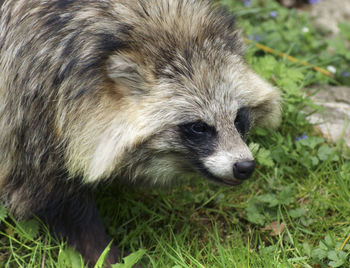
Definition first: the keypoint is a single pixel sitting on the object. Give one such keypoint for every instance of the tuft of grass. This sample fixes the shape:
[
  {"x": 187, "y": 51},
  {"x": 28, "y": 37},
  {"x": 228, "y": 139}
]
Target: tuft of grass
[{"x": 293, "y": 213}]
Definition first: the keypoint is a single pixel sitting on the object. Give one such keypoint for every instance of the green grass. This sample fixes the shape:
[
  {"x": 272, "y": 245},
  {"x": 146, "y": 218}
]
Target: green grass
[{"x": 301, "y": 187}]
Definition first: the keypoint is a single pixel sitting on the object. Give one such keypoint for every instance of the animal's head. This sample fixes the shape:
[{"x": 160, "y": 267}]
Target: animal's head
[{"x": 186, "y": 98}]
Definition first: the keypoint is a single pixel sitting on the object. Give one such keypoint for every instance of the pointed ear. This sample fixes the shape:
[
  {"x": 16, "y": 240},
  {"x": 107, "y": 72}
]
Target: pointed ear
[
  {"x": 126, "y": 73},
  {"x": 267, "y": 111},
  {"x": 265, "y": 103}
]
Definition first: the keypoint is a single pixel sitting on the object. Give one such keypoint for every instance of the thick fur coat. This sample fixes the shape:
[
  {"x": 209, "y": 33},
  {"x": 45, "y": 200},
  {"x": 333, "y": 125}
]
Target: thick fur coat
[{"x": 141, "y": 91}]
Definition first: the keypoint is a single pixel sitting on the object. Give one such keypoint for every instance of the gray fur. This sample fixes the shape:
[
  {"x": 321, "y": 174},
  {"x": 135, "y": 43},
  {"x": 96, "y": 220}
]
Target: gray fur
[{"x": 96, "y": 90}]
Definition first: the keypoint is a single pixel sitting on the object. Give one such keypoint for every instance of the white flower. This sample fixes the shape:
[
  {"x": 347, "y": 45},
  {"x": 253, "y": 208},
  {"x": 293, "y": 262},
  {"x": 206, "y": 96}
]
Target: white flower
[
  {"x": 305, "y": 30},
  {"x": 332, "y": 69}
]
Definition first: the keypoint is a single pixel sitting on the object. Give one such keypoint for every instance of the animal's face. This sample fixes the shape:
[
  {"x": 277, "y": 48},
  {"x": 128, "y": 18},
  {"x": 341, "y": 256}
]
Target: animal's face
[
  {"x": 217, "y": 149},
  {"x": 202, "y": 120}
]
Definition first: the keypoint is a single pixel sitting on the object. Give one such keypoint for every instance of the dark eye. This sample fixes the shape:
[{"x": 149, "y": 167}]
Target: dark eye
[
  {"x": 199, "y": 137},
  {"x": 197, "y": 131},
  {"x": 199, "y": 127},
  {"x": 242, "y": 121}
]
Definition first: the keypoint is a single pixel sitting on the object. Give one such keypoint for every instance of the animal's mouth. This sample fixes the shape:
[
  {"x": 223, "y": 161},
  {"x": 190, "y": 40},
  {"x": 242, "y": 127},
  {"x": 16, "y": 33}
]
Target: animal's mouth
[
  {"x": 227, "y": 182},
  {"x": 217, "y": 180}
]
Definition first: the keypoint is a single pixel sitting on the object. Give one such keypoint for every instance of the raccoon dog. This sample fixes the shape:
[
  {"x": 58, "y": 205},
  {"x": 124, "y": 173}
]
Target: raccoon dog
[{"x": 135, "y": 90}]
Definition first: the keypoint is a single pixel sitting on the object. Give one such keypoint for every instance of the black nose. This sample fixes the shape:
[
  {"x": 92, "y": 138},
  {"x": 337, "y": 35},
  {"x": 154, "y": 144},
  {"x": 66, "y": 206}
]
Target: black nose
[{"x": 243, "y": 170}]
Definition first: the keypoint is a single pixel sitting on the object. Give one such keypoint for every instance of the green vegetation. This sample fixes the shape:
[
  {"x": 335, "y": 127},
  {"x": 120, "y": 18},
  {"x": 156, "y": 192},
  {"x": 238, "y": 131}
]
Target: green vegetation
[{"x": 295, "y": 212}]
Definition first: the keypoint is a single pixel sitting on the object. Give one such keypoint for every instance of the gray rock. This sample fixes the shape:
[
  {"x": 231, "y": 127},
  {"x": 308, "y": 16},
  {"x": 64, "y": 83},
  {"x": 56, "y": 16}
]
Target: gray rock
[
  {"x": 328, "y": 13},
  {"x": 334, "y": 120}
]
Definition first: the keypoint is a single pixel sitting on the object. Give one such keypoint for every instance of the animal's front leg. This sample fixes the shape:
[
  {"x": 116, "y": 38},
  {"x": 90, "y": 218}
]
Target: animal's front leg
[{"x": 76, "y": 219}]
